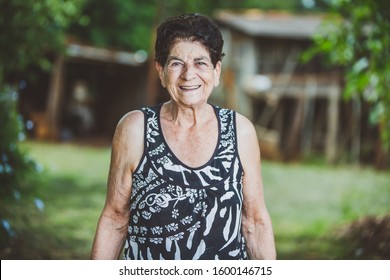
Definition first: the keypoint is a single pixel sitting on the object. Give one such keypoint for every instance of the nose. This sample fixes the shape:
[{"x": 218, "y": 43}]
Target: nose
[{"x": 188, "y": 72}]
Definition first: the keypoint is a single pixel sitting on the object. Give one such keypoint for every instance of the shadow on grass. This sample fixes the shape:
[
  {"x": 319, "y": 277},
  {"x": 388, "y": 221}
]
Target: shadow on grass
[
  {"x": 63, "y": 229},
  {"x": 42, "y": 244},
  {"x": 367, "y": 238},
  {"x": 309, "y": 247}
]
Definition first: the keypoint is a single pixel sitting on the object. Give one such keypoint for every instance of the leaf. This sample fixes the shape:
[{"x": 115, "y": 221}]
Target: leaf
[{"x": 360, "y": 65}]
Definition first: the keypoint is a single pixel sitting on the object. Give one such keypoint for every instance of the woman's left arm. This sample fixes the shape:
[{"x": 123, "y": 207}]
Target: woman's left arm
[{"x": 256, "y": 221}]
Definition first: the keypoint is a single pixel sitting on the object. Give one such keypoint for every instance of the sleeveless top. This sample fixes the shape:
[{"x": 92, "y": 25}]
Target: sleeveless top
[{"x": 180, "y": 212}]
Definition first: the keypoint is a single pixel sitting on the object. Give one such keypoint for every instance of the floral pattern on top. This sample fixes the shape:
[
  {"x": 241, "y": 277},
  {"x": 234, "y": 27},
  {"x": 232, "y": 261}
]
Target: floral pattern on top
[{"x": 178, "y": 212}]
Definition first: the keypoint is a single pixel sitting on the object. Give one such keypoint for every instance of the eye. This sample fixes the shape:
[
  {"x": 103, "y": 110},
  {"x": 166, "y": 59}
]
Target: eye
[
  {"x": 203, "y": 65},
  {"x": 175, "y": 65},
  {"x": 174, "y": 62}
]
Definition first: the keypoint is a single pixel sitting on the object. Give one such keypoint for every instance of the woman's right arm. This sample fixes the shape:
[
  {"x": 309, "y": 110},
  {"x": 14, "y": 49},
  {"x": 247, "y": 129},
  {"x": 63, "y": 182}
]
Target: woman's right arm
[{"x": 127, "y": 150}]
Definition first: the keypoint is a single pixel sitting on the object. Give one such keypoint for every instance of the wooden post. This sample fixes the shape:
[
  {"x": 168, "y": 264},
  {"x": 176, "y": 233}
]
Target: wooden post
[
  {"x": 248, "y": 68},
  {"x": 229, "y": 82},
  {"x": 153, "y": 81},
  {"x": 356, "y": 121},
  {"x": 333, "y": 118},
  {"x": 225, "y": 94},
  {"x": 54, "y": 97},
  {"x": 293, "y": 145},
  {"x": 308, "y": 115}
]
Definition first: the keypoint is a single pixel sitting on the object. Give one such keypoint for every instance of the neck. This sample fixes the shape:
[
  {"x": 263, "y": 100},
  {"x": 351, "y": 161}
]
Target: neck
[{"x": 186, "y": 116}]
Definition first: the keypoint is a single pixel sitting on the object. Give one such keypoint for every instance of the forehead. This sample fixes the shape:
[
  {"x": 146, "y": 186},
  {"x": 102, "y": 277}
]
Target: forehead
[{"x": 189, "y": 50}]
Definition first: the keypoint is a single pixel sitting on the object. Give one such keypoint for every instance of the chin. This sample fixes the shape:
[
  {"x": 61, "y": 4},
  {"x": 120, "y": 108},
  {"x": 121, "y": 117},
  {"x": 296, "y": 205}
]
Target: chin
[{"x": 191, "y": 103}]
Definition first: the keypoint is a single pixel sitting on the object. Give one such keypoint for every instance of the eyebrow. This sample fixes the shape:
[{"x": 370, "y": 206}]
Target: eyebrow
[
  {"x": 202, "y": 58},
  {"x": 170, "y": 58}
]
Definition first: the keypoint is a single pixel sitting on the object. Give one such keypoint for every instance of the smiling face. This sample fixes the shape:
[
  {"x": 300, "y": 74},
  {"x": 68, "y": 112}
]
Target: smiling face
[{"x": 188, "y": 74}]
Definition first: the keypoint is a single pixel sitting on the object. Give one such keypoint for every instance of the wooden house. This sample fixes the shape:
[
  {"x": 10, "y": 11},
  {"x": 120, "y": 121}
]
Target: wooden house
[
  {"x": 87, "y": 92},
  {"x": 296, "y": 107}
]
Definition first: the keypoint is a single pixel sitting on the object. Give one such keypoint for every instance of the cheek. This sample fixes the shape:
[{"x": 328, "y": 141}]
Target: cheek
[
  {"x": 166, "y": 80},
  {"x": 211, "y": 80}
]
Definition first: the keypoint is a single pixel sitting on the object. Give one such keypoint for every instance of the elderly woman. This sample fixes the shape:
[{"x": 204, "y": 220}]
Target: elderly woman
[{"x": 185, "y": 176}]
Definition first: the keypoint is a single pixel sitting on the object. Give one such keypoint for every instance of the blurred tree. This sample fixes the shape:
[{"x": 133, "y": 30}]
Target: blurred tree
[
  {"x": 359, "y": 41},
  {"x": 116, "y": 23},
  {"x": 29, "y": 30},
  {"x": 129, "y": 24},
  {"x": 13, "y": 161}
]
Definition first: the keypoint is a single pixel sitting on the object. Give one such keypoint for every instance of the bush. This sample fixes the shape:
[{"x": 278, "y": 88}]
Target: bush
[
  {"x": 368, "y": 238},
  {"x": 14, "y": 162}
]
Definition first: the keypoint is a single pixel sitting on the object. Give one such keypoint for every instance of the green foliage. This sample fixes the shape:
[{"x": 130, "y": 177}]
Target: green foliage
[
  {"x": 14, "y": 163},
  {"x": 116, "y": 23},
  {"x": 129, "y": 24},
  {"x": 357, "y": 38},
  {"x": 15, "y": 166},
  {"x": 30, "y": 30}
]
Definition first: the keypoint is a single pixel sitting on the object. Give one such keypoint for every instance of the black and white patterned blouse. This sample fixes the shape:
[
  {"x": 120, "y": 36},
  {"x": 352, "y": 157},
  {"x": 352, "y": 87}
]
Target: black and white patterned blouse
[{"x": 179, "y": 212}]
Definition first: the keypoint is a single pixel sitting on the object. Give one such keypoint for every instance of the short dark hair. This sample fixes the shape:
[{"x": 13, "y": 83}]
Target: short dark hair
[{"x": 188, "y": 27}]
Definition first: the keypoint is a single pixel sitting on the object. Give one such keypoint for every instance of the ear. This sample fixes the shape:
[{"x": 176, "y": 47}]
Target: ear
[
  {"x": 161, "y": 75},
  {"x": 217, "y": 73}
]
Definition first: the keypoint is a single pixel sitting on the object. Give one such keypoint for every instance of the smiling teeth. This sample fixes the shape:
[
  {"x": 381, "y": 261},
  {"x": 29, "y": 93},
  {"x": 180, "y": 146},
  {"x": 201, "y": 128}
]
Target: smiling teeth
[{"x": 189, "y": 87}]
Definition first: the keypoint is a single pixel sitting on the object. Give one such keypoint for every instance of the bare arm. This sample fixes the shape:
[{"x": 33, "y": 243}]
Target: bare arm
[
  {"x": 256, "y": 222},
  {"x": 127, "y": 149}
]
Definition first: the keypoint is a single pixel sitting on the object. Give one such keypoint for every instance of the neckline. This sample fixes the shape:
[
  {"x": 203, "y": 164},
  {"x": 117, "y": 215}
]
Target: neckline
[{"x": 177, "y": 159}]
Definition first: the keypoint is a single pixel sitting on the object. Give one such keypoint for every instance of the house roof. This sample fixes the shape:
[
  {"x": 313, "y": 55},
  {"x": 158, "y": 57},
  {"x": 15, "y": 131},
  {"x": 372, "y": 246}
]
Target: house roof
[
  {"x": 271, "y": 23},
  {"x": 81, "y": 50}
]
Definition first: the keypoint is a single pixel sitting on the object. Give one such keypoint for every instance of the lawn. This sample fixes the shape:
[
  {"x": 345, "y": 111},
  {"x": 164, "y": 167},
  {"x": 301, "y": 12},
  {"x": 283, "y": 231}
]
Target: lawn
[{"x": 311, "y": 205}]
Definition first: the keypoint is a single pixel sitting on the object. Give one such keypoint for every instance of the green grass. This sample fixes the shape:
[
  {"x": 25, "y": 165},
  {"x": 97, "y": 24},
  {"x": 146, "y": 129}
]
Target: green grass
[
  {"x": 309, "y": 204},
  {"x": 72, "y": 186}
]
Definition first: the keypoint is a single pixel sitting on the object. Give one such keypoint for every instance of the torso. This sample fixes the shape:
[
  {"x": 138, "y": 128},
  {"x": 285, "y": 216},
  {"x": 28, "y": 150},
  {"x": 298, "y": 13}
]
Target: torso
[{"x": 186, "y": 202}]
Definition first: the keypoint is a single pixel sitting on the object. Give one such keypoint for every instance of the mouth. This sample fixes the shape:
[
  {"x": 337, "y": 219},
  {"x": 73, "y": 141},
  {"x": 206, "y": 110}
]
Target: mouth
[{"x": 186, "y": 88}]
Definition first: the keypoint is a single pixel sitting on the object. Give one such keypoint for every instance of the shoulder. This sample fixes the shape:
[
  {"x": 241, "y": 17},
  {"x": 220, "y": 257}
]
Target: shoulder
[
  {"x": 128, "y": 137},
  {"x": 248, "y": 144},
  {"x": 133, "y": 120},
  {"x": 129, "y": 125},
  {"x": 245, "y": 127}
]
